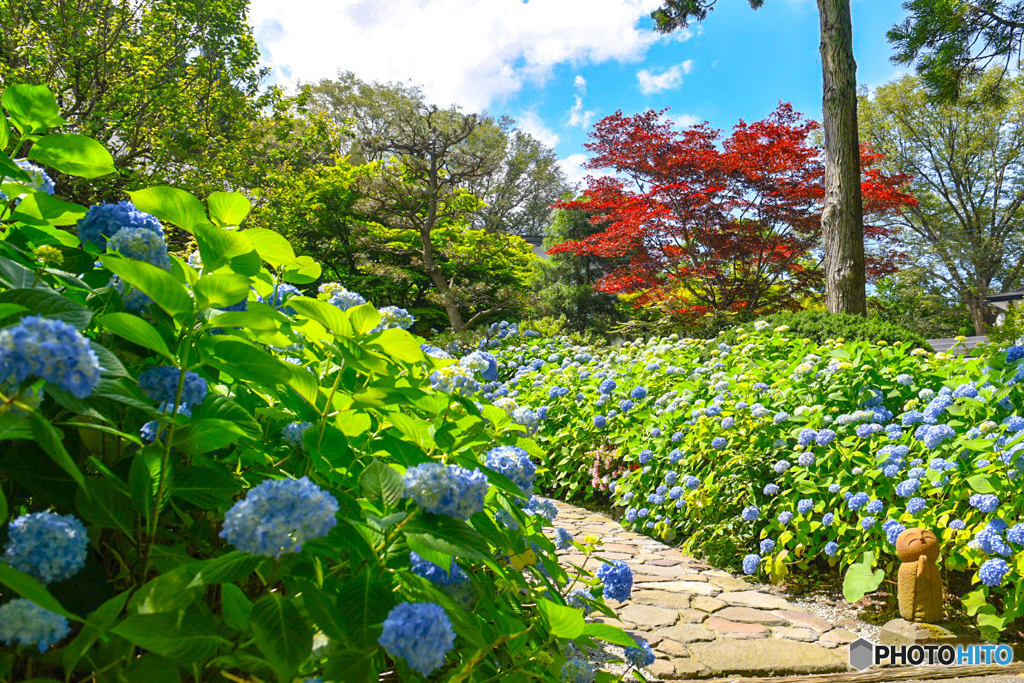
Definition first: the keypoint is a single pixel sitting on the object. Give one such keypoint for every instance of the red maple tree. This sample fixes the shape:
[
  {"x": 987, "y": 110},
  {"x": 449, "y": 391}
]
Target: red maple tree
[{"x": 707, "y": 227}]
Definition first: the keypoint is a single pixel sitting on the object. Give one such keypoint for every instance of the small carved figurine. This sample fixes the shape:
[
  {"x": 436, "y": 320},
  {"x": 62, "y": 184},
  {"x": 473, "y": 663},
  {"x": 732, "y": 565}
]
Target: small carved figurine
[{"x": 920, "y": 584}]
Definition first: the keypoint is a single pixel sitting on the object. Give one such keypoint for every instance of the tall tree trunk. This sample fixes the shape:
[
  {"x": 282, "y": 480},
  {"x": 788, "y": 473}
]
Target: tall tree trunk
[
  {"x": 842, "y": 220},
  {"x": 437, "y": 277},
  {"x": 976, "y": 306}
]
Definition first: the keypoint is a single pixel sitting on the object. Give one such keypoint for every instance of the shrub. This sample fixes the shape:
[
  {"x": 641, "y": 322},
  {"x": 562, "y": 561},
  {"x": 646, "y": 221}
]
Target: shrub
[
  {"x": 824, "y": 449},
  {"x": 820, "y": 326},
  {"x": 207, "y": 468}
]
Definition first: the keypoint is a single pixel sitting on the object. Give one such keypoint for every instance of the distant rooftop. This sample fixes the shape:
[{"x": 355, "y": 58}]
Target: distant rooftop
[{"x": 1002, "y": 301}]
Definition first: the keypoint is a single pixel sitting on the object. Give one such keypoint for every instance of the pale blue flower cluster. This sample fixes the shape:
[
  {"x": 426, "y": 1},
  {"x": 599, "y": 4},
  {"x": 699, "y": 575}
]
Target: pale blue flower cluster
[
  {"x": 563, "y": 539},
  {"x": 279, "y": 516},
  {"x": 618, "y": 580},
  {"x": 992, "y": 571},
  {"x": 46, "y": 545},
  {"x": 103, "y": 221},
  {"x": 294, "y": 431},
  {"x": 160, "y": 383},
  {"x": 420, "y": 633},
  {"x": 344, "y": 299},
  {"x": 767, "y": 546},
  {"x": 51, "y": 350},
  {"x": 750, "y": 564},
  {"x": 39, "y": 180},
  {"x": 141, "y": 244},
  {"x": 640, "y": 656},
  {"x": 986, "y": 502},
  {"x": 515, "y": 464},
  {"x": 577, "y": 670},
  {"x": 750, "y": 513},
  {"x": 26, "y": 623},
  {"x": 454, "y": 379},
  {"x": 483, "y": 363},
  {"x": 392, "y": 317},
  {"x": 446, "y": 489}
]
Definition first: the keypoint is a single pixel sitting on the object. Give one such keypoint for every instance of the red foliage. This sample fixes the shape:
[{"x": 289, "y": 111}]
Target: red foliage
[{"x": 728, "y": 227}]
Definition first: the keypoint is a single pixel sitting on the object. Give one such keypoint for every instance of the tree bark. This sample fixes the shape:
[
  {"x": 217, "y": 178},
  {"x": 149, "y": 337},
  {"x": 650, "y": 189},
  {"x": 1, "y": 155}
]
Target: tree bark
[{"x": 842, "y": 221}]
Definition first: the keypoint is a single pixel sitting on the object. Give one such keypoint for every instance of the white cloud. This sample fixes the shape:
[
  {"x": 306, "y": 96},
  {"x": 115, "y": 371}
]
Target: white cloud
[
  {"x": 681, "y": 121},
  {"x": 651, "y": 82},
  {"x": 472, "y": 52},
  {"x": 572, "y": 165},
  {"x": 531, "y": 123},
  {"x": 580, "y": 84},
  {"x": 578, "y": 116}
]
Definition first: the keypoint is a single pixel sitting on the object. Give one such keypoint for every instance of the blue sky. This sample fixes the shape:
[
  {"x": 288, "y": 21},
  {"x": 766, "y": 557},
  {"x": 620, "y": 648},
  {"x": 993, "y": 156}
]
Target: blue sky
[{"x": 556, "y": 66}]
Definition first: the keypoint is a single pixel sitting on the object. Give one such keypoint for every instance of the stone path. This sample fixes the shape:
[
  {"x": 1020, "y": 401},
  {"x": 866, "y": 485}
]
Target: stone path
[{"x": 703, "y": 622}]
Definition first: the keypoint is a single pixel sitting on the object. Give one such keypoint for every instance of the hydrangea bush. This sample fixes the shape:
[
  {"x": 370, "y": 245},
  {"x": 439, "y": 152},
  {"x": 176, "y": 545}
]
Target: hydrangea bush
[
  {"x": 778, "y": 454},
  {"x": 211, "y": 470}
]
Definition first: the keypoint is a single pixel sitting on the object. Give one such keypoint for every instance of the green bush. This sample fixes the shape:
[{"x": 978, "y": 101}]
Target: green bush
[
  {"x": 209, "y": 471},
  {"x": 820, "y": 326}
]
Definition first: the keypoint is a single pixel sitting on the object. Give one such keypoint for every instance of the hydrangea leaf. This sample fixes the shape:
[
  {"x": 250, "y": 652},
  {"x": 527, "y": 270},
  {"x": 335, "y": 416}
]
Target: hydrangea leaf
[
  {"x": 220, "y": 290},
  {"x": 49, "y": 305},
  {"x": 186, "y": 639},
  {"x": 861, "y": 580},
  {"x": 205, "y": 487},
  {"x": 172, "y": 205},
  {"x": 30, "y": 589},
  {"x": 565, "y": 622},
  {"x": 609, "y": 634},
  {"x": 984, "y": 483},
  {"x": 282, "y": 635},
  {"x": 101, "y": 619},
  {"x": 228, "y": 208},
  {"x": 205, "y": 435},
  {"x": 236, "y": 607},
  {"x": 379, "y": 482},
  {"x": 157, "y": 284},
  {"x": 324, "y": 313},
  {"x": 39, "y": 208},
  {"x": 398, "y": 345},
  {"x": 271, "y": 246},
  {"x": 307, "y": 270},
  {"x": 220, "y": 247},
  {"x": 33, "y": 108},
  {"x": 73, "y": 154},
  {"x": 138, "y": 331},
  {"x": 363, "y": 318},
  {"x": 144, "y": 480}
]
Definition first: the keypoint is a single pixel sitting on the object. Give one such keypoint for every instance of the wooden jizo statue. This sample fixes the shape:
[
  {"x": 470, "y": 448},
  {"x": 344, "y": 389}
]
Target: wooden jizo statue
[{"x": 920, "y": 584}]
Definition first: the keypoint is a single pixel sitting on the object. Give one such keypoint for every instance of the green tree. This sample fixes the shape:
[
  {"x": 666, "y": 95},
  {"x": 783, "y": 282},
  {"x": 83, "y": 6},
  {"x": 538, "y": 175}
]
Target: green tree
[
  {"x": 967, "y": 164},
  {"x": 173, "y": 88},
  {"x": 517, "y": 198},
  {"x": 842, "y": 220},
  {"x": 913, "y": 299},
  {"x": 952, "y": 42},
  {"x": 566, "y": 281}
]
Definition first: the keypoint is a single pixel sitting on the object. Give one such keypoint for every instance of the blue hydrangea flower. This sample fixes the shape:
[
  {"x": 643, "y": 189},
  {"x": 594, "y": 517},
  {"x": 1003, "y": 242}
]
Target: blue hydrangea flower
[
  {"x": 915, "y": 505},
  {"x": 805, "y": 506},
  {"x": 830, "y": 548},
  {"x": 454, "y": 378},
  {"x": 26, "y": 623},
  {"x": 833, "y": 488},
  {"x": 618, "y": 580},
  {"x": 577, "y": 670},
  {"x": 563, "y": 539},
  {"x": 692, "y": 482},
  {"x": 48, "y": 546},
  {"x": 675, "y": 493},
  {"x": 160, "y": 383},
  {"x": 51, "y": 350},
  {"x": 514, "y": 463},
  {"x": 718, "y": 442},
  {"x": 608, "y": 386},
  {"x": 875, "y": 506},
  {"x": 750, "y": 513},
  {"x": 638, "y": 393},
  {"x": 992, "y": 571},
  {"x": 892, "y": 529},
  {"x": 750, "y": 564},
  {"x": 990, "y": 539},
  {"x": 420, "y": 633},
  {"x": 439, "y": 576},
  {"x": 958, "y": 524},
  {"x": 785, "y": 517},
  {"x": 986, "y": 502},
  {"x": 482, "y": 362},
  {"x": 677, "y": 437},
  {"x": 907, "y": 488},
  {"x": 643, "y": 512},
  {"x": 1015, "y": 535},
  {"x": 827, "y": 519},
  {"x": 392, "y": 317},
  {"x": 103, "y": 221},
  {"x": 600, "y": 421},
  {"x": 767, "y": 545},
  {"x": 825, "y": 437},
  {"x": 781, "y": 466},
  {"x": 39, "y": 180},
  {"x": 294, "y": 431},
  {"x": 631, "y": 515},
  {"x": 781, "y": 417},
  {"x": 344, "y": 299},
  {"x": 858, "y": 501},
  {"x": 771, "y": 489},
  {"x": 904, "y": 380},
  {"x": 806, "y": 436},
  {"x": 640, "y": 656},
  {"x": 581, "y": 598},
  {"x": 645, "y": 456},
  {"x": 541, "y": 507},
  {"x": 279, "y": 516},
  {"x": 446, "y": 490},
  {"x": 142, "y": 245}
]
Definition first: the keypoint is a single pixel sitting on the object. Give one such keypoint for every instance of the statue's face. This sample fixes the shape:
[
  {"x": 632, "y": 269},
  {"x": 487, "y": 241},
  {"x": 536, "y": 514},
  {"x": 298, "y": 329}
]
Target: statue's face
[{"x": 913, "y": 543}]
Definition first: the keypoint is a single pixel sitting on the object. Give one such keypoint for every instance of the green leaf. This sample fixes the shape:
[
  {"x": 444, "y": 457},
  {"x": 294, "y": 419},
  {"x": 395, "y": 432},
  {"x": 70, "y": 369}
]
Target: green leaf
[
  {"x": 205, "y": 435},
  {"x": 363, "y": 318},
  {"x": 399, "y": 345},
  {"x": 326, "y": 314},
  {"x": 983, "y": 483},
  {"x": 609, "y": 634},
  {"x": 177, "y": 588},
  {"x": 49, "y": 305},
  {"x": 39, "y": 208},
  {"x": 219, "y": 407},
  {"x": 32, "y": 108},
  {"x": 228, "y": 208},
  {"x": 172, "y": 205},
  {"x": 565, "y": 622},
  {"x": 144, "y": 480},
  {"x": 107, "y": 506},
  {"x": 324, "y": 613},
  {"x": 73, "y": 154},
  {"x": 307, "y": 270},
  {"x": 30, "y": 589},
  {"x": 51, "y": 441},
  {"x": 282, "y": 635},
  {"x": 860, "y": 581},
  {"x": 236, "y": 608},
  {"x": 11, "y": 170},
  {"x": 157, "y": 284},
  {"x": 100, "y": 620},
  {"x": 221, "y": 247},
  {"x": 152, "y": 669},
  {"x": 974, "y": 601},
  {"x": 205, "y": 487},
  {"x": 381, "y": 483},
  {"x": 220, "y": 290},
  {"x": 4, "y": 509},
  {"x": 244, "y": 361},
  {"x": 248, "y": 320},
  {"x": 272, "y": 247},
  {"x": 422, "y": 546},
  {"x": 5, "y": 137},
  {"x": 136, "y": 330},
  {"x": 183, "y": 637}
]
